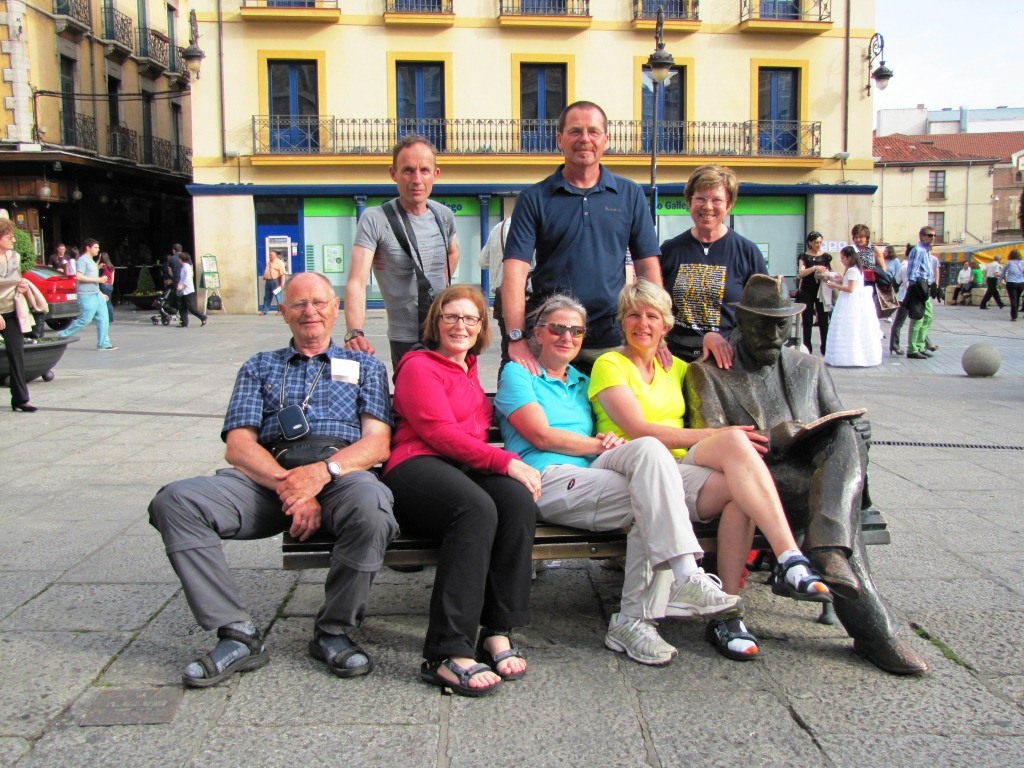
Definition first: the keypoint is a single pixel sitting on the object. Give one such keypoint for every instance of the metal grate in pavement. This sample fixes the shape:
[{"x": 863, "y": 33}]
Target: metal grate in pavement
[{"x": 921, "y": 444}]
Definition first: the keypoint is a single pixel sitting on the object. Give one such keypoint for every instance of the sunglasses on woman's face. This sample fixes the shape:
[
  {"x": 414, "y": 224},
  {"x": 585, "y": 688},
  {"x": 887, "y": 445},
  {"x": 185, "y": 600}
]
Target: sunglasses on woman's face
[{"x": 557, "y": 329}]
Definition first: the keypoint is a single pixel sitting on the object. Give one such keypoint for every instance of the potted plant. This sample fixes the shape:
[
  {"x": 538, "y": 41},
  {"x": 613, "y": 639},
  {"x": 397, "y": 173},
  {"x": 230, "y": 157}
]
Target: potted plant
[
  {"x": 42, "y": 356},
  {"x": 145, "y": 295}
]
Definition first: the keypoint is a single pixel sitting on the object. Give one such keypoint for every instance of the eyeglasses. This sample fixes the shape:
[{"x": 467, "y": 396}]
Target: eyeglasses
[
  {"x": 318, "y": 304},
  {"x": 470, "y": 321},
  {"x": 929, "y": 234},
  {"x": 557, "y": 329},
  {"x": 717, "y": 202}
]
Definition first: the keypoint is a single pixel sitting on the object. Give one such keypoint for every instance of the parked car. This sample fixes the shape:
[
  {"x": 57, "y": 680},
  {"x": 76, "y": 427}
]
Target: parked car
[{"x": 60, "y": 292}]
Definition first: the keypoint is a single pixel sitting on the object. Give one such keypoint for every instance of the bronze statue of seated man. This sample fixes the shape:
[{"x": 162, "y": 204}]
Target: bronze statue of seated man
[{"x": 820, "y": 473}]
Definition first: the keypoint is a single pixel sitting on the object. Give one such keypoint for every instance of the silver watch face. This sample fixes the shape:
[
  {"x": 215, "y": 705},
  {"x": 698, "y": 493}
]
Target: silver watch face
[
  {"x": 334, "y": 468},
  {"x": 515, "y": 334}
]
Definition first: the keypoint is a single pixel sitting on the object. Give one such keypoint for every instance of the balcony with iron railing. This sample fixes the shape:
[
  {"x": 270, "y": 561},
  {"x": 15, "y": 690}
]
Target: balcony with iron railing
[
  {"x": 327, "y": 135},
  {"x": 183, "y": 160},
  {"x": 73, "y": 16},
  {"x": 118, "y": 30},
  {"x": 546, "y": 13},
  {"x": 675, "y": 10},
  {"x": 78, "y": 130},
  {"x": 290, "y": 10},
  {"x": 154, "y": 49},
  {"x": 177, "y": 69},
  {"x": 419, "y": 12},
  {"x": 786, "y": 16},
  {"x": 123, "y": 142},
  {"x": 164, "y": 154}
]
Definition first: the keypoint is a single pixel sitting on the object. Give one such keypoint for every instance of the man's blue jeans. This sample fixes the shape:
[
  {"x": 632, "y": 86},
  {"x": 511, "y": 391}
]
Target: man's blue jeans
[{"x": 93, "y": 307}]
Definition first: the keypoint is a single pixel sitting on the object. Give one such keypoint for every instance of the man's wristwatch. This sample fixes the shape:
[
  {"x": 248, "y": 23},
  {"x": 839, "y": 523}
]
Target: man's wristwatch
[
  {"x": 516, "y": 334},
  {"x": 334, "y": 468},
  {"x": 353, "y": 333}
]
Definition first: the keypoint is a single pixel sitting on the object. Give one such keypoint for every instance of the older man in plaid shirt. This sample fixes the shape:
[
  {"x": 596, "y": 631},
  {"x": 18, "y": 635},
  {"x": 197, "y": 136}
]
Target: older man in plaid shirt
[{"x": 303, "y": 426}]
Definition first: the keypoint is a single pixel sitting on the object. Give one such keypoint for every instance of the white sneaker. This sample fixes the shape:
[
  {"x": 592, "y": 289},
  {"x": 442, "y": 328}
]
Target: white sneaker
[
  {"x": 701, "y": 595},
  {"x": 638, "y": 639}
]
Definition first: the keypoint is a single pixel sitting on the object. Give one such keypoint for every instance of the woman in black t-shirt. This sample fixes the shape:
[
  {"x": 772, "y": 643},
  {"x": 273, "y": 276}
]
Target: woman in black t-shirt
[{"x": 813, "y": 269}]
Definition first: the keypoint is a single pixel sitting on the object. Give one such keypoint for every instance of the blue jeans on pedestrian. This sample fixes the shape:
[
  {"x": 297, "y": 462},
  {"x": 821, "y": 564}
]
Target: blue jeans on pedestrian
[
  {"x": 269, "y": 297},
  {"x": 93, "y": 308}
]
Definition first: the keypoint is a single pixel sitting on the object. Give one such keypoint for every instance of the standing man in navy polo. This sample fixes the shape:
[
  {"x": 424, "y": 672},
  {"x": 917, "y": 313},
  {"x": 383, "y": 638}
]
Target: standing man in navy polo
[{"x": 580, "y": 220}]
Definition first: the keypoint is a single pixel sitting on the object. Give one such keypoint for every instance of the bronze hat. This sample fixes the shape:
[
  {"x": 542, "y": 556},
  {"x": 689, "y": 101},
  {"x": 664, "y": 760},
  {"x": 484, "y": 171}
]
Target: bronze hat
[{"x": 767, "y": 296}]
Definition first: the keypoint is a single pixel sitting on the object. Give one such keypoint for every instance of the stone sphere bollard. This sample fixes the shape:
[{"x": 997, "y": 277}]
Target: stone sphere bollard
[{"x": 981, "y": 360}]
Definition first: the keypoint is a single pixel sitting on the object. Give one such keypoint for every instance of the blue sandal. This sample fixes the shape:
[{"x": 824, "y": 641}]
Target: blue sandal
[
  {"x": 721, "y": 632},
  {"x": 805, "y": 589}
]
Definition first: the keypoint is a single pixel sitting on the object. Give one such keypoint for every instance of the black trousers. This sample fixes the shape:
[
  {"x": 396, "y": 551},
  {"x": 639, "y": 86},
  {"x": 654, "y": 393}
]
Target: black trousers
[
  {"x": 991, "y": 293},
  {"x": 187, "y": 304},
  {"x": 14, "y": 341},
  {"x": 486, "y": 524},
  {"x": 1013, "y": 292},
  {"x": 813, "y": 308}
]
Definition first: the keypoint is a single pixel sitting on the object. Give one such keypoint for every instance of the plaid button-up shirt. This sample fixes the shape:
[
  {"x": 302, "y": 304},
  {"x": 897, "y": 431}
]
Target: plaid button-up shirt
[{"x": 334, "y": 406}]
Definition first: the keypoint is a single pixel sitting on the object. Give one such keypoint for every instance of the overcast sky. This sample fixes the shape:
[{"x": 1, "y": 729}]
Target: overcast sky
[{"x": 947, "y": 54}]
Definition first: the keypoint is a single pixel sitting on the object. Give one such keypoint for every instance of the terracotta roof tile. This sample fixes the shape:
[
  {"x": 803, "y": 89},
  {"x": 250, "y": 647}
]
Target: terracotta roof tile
[{"x": 948, "y": 147}]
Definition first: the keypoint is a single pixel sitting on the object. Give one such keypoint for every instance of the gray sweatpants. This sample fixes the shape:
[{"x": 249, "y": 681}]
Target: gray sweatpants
[
  {"x": 638, "y": 485},
  {"x": 194, "y": 515}
]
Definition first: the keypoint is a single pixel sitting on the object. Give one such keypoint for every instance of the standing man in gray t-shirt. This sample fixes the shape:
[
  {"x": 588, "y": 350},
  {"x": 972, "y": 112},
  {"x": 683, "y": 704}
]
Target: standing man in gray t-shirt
[{"x": 429, "y": 234}]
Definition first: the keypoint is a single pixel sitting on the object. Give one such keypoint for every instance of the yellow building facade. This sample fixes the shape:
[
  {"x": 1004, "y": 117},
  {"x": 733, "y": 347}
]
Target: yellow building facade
[
  {"x": 95, "y": 125},
  {"x": 300, "y": 101}
]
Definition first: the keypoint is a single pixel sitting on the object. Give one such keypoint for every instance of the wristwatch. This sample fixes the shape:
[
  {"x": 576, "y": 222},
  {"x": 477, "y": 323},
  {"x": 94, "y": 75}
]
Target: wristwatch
[
  {"x": 334, "y": 468},
  {"x": 353, "y": 333},
  {"x": 516, "y": 334}
]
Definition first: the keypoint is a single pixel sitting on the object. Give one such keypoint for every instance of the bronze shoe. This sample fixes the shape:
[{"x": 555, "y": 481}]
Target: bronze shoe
[
  {"x": 894, "y": 655},
  {"x": 835, "y": 570}
]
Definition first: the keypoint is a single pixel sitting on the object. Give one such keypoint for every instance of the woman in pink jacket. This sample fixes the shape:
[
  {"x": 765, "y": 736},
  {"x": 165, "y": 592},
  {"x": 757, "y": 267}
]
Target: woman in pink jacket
[{"x": 478, "y": 499}]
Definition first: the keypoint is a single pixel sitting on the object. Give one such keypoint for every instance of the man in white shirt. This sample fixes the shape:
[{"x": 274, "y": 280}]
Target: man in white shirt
[{"x": 993, "y": 272}]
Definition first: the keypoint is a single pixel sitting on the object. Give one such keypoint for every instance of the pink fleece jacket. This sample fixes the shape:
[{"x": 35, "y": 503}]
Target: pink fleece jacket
[{"x": 442, "y": 410}]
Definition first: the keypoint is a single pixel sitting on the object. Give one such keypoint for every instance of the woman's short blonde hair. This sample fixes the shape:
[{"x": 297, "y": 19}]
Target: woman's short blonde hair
[
  {"x": 432, "y": 326},
  {"x": 644, "y": 293},
  {"x": 710, "y": 176},
  {"x": 6, "y": 227}
]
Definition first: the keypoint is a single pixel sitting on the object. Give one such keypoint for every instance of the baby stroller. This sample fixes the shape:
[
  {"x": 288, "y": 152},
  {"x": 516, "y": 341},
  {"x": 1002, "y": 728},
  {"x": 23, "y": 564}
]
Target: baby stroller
[{"x": 167, "y": 308}]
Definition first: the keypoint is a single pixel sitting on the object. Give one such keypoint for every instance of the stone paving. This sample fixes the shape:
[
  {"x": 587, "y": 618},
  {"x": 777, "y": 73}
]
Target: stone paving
[{"x": 91, "y": 611}]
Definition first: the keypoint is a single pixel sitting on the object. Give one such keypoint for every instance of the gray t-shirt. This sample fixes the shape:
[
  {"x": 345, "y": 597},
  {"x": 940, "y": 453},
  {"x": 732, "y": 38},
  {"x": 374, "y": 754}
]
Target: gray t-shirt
[
  {"x": 87, "y": 267},
  {"x": 393, "y": 268}
]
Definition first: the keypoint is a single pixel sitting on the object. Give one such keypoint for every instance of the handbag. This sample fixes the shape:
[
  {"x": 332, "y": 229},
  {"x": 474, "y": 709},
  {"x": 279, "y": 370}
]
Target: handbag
[
  {"x": 299, "y": 453},
  {"x": 885, "y": 300}
]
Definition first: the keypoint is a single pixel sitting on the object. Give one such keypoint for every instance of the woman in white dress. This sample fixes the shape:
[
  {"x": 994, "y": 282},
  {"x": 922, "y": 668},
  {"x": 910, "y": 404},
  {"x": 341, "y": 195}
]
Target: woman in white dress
[{"x": 854, "y": 338}]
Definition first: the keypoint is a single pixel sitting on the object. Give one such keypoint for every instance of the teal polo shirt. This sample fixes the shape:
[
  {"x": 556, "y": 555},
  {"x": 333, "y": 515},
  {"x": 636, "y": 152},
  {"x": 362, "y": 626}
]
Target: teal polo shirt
[{"x": 565, "y": 404}]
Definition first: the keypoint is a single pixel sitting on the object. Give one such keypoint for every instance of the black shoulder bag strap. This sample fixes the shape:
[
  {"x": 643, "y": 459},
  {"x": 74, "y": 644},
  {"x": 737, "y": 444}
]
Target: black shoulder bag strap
[{"x": 404, "y": 234}]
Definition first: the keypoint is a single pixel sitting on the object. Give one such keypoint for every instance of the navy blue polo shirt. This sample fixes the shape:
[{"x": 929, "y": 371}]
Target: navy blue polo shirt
[{"x": 580, "y": 237}]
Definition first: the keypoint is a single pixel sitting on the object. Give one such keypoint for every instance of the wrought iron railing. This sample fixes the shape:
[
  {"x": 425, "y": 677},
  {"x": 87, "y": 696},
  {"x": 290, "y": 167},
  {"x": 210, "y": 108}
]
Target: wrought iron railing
[
  {"x": 418, "y": 6},
  {"x": 80, "y": 10},
  {"x": 118, "y": 26},
  {"x": 327, "y": 135},
  {"x": 677, "y": 10},
  {"x": 163, "y": 154},
  {"x": 77, "y": 130},
  {"x": 289, "y": 3},
  {"x": 153, "y": 46},
  {"x": 183, "y": 160},
  {"x": 123, "y": 142},
  {"x": 786, "y": 10},
  {"x": 544, "y": 8}
]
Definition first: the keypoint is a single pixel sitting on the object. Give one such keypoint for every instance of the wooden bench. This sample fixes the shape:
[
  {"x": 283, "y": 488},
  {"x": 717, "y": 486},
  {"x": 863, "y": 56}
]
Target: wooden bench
[{"x": 551, "y": 542}]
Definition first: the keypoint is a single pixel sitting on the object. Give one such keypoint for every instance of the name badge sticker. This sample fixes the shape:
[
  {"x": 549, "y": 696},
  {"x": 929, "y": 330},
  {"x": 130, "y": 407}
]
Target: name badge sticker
[{"x": 346, "y": 371}]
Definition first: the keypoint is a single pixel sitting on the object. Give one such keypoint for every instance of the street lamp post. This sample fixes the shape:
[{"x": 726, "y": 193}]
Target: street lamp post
[
  {"x": 661, "y": 63},
  {"x": 882, "y": 75}
]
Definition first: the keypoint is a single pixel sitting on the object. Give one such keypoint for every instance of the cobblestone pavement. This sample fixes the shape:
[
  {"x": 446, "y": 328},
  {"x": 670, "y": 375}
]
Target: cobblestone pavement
[{"x": 90, "y": 611}]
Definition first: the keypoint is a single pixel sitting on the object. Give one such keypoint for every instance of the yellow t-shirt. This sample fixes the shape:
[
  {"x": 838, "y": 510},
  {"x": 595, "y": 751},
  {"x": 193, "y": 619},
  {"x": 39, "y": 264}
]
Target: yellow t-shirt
[{"x": 661, "y": 401}]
